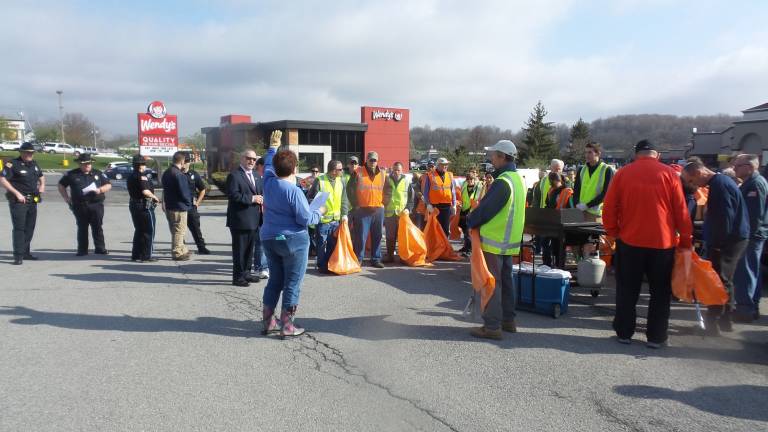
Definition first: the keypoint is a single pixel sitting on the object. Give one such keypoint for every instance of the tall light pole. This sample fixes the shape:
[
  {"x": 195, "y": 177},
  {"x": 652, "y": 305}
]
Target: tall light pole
[
  {"x": 95, "y": 132},
  {"x": 61, "y": 115}
]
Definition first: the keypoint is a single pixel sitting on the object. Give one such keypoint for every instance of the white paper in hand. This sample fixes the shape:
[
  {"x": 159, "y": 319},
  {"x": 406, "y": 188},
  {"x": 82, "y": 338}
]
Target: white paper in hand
[
  {"x": 90, "y": 188},
  {"x": 318, "y": 201}
]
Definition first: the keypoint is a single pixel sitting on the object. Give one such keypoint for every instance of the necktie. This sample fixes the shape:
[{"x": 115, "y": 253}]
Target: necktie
[{"x": 250, "y": 178}]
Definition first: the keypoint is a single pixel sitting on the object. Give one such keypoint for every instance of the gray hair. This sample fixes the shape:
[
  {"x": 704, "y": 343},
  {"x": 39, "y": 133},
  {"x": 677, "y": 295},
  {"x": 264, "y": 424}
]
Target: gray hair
[
  {"x": 751, "y": 159},
  {"x": 557, "y": 162}
]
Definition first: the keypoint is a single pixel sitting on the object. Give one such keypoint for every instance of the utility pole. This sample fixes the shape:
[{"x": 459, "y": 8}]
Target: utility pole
[{"x": 61, "y": 115}]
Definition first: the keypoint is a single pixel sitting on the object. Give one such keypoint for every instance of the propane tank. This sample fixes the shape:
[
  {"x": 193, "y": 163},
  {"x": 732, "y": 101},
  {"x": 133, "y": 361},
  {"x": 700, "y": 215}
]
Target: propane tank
[{"x": 590, "y": 272}]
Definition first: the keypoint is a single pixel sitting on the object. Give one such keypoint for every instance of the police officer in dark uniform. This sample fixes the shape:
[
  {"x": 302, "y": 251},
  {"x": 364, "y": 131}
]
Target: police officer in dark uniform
[
  {"x": 142, "y": 207},
  {"x": 198, "y": 187},
  {"x": 24, "y": 183},
  {"x": 87, "y": 187}
]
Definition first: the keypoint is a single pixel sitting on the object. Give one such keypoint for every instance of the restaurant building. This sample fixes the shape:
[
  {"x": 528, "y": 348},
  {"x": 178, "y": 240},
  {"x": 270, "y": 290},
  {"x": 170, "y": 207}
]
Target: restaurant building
[
  {"x": 748, "y": 135},
  {"x": 384, "y": 130}
]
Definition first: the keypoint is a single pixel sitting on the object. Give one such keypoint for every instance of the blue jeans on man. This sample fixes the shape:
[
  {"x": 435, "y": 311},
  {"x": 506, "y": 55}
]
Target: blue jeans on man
[
  {"x": 325, "y": 242},
  {"x": 287, "y": 259},
  {"x": 746, "y": 281},
  {"x": 368, "y": 220}
]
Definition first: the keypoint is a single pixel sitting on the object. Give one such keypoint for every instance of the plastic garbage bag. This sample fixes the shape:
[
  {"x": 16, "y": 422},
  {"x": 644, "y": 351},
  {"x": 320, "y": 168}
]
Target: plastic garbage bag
[
  {"x": 343, "y": 260},
  {"x": 411, "y": 246}
]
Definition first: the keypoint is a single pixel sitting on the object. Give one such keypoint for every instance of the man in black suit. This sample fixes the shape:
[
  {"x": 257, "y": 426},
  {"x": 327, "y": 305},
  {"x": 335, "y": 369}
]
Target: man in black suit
[{"x": 244, "y": 191}]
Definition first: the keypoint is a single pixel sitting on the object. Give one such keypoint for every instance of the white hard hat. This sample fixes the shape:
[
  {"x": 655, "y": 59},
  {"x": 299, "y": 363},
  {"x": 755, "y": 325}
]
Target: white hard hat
[
  {"x": 442, "y": 161},
  {"x": 504, "y": 146}
]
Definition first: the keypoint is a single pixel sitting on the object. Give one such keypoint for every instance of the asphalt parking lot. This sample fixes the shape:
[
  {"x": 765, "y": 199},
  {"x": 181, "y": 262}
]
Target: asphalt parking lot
[{"x": 102, "y": 343}]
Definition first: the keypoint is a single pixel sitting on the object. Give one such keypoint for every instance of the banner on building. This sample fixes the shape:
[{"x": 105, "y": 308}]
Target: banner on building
[{"x": 158, "y": 131}]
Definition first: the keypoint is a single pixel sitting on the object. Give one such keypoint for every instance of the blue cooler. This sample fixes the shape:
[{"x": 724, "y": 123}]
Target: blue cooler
[{"x": 551, "y": 292}]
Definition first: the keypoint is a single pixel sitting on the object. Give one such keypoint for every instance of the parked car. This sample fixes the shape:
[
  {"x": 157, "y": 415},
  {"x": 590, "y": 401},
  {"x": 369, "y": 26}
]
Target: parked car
[
  {"x": 121, "y": 172},
  {"x": 38, "y": 146},
  {"x": 61, "y": 148},
  {"x": 116, "y": 164},
  {"x": 9, "y": 145}
]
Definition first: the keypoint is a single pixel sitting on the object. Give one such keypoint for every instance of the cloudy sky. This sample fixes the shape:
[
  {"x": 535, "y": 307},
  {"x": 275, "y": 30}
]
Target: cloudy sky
[{"x": 453, "y": 63}]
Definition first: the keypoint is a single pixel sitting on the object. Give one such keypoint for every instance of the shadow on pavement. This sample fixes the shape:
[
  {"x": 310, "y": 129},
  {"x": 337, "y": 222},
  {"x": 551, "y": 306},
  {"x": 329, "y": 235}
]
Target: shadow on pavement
[
  {"x": 125, "y": 323},
  {"x": 738, "y": 401},
  {"x": 138, "y": 278}
]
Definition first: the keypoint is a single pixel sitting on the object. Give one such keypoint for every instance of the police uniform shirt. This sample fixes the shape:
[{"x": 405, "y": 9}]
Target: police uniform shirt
[
  {"x": 196, "y": 183},
  {"x": 137, "y": 183},
  {"x": 23, "y": 176},
  {"x": 77, "y": 180}
]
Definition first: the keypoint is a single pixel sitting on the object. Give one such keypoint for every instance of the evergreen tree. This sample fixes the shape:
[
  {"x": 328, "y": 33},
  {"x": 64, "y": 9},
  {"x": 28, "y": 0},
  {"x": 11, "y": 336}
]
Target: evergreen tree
[
  {"x": 580, "y": 136},
  {"x": 539, "y": 135}
]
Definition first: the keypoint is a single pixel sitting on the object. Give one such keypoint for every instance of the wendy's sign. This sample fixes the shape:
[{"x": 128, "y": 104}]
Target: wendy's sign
[{"x": 158, "y": 131}]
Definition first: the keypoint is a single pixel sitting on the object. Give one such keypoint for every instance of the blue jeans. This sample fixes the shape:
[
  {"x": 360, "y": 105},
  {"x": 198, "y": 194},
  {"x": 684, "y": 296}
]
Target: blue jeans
[
  {"x": 287, "y": 261},
  {"x": 259, "y": 259},
  {"x": 325, "y": 242},
  {"x": 368, "y": 220},
  {"x": 746, "y": 281}
]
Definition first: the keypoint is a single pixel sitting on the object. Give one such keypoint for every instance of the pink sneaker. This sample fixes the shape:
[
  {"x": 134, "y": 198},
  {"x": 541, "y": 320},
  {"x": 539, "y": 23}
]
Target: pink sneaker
[
  {"x": 289, "y": 328},
  {"x": 269, "y": 322}
]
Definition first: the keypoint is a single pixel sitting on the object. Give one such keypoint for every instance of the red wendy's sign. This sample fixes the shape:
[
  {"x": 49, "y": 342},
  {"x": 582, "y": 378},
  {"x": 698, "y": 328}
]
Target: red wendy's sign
[{"x": 158, "y": 131}]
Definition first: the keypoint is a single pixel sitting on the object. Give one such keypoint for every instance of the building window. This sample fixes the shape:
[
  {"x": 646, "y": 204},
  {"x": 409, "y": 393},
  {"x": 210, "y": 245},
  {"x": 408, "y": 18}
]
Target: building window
[{"x": 344, "y": 144}]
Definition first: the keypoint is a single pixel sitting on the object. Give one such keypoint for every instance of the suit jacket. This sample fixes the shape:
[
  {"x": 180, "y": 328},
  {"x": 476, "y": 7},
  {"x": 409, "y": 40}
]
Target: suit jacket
[{"x": 242, "y": 213}]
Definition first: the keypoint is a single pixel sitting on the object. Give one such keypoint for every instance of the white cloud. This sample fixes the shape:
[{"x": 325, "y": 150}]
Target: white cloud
[{"x": 452, "y": 63}]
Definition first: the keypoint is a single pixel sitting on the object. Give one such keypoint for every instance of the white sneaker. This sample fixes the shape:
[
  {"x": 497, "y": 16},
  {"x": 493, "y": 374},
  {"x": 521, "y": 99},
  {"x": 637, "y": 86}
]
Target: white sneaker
[{"x": 264, "y": 274}]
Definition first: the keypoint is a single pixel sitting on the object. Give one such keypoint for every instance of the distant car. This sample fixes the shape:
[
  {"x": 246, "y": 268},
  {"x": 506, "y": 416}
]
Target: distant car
[
  {"x": 121, "y": 172},
  {"x": 61, "y": 148},
  {"x": 9, "y": 145},
  {"x": 116, "y": 164},
  {"x": 39, "y": 147}
]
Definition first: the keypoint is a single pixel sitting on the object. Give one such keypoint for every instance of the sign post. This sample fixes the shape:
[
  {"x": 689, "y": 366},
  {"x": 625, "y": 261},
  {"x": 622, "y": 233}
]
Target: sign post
[{"x": 158, "y": 131}]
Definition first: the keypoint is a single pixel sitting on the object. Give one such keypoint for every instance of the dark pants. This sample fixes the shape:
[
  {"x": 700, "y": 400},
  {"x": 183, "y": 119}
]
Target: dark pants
[
  {"x": 725, "y": 261},
  {"x": 325, "y": 242},
  {"x": 501, "y": 305},
  {"x": 23, "y": 219},
  {"x": 89, "y": 215},
  {"x": 391, "y": 225},
  {"x": 193, "y": 223},
  {"x": 368, "y": 220},
  {"x": 632, "y": 263},
  {"x": 242, "y": 253},
  {"x": 551, "y": 252},
  {"x": 465, "y": 229},
  {"x": 444, "y": 218},
  {"x": 144, "y": 231}
]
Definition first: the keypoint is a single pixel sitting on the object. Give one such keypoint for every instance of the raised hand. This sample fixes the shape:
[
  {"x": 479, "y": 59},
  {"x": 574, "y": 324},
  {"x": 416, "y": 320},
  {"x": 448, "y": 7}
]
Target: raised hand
[{"x": 275, "y": 138}]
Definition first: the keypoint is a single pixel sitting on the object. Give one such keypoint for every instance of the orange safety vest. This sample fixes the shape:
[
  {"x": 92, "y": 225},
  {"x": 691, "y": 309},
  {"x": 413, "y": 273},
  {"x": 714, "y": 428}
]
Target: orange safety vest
[
  {"x": 439, "y": 189},
  {"x": 370, "y": 193},
  {"x": 562, "y": 199}
]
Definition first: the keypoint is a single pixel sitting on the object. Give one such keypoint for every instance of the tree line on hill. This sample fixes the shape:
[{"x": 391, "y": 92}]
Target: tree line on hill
[{"x": 539, "y": 140}]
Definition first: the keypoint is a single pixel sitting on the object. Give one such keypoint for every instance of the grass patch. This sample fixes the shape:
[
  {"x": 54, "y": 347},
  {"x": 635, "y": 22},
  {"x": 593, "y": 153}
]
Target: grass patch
[{"x": 54, "y": 161}]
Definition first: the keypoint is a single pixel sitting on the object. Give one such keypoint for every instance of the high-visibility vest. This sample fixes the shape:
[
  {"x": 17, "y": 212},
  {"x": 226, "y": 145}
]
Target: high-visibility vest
[
  {"x": 563, "y": 198},
  {"x": 333, "y": 203},
  {"x": 544, "y": 188},
  {"x": 370, "y": 193},
  {"x": 399, "y": 197},
  {"x": 439, "y": 189},
  {"x": 466, "y": 198},
  {"x": 592, "y": 186},
  {"x": 503, "y": 234}
]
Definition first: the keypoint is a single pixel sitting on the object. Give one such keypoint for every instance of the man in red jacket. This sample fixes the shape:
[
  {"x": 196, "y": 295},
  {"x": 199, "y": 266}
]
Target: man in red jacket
[{"x": 645, "y": 210}]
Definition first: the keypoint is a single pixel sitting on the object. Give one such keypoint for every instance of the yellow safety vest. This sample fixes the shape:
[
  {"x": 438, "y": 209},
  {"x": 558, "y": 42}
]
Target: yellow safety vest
[
  {"x": 592, "y": 186},
  {"x": 503, "y": 234},
  {"x": 399, "y": 197},
  {"x": 544, "y": 188},
  {"x": 466, "y": 198},
  {"x": 333, "y": 204}
]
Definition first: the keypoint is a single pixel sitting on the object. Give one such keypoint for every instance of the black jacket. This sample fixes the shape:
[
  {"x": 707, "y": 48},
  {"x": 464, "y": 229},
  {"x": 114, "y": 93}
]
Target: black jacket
[{"x": 242, "y": 213}]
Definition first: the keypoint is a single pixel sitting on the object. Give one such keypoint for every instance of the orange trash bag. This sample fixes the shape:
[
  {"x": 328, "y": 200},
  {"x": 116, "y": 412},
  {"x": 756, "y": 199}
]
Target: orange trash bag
[
  {"x": 455, "y": 230},
  {"x": 482, "y": 280},
  {"x": 411, "y": 246},
  {"x": 701, "y": 283},
  {"x": 438, "y": 246},
  {"x": 343, "y": 260}
]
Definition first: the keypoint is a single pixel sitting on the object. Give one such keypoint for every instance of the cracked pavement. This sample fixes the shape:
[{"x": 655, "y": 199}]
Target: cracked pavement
[{"x": 101, "y": 343}]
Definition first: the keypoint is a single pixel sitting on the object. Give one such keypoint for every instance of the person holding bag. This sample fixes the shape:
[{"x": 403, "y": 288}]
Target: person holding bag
[{"x": 284, "y": 237}]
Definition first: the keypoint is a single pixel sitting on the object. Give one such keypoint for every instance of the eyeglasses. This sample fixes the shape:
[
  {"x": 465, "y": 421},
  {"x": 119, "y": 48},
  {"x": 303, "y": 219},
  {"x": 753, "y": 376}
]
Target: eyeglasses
[
  {"x": 250, "y": 159},
  {"x": 315, "y": 171},
  {"x": 372, "y": 160}
]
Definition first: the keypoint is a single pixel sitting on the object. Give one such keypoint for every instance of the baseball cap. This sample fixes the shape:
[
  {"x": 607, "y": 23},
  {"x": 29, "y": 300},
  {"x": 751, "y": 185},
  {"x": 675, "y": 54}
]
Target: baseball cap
[
  {"x": 442, "y": 161},
  {"x": 504, "y": 146},
  {"x": 372, "y": 155},
  {"x": 354, "y": 159},
  {"x": 644, "y": 145}
]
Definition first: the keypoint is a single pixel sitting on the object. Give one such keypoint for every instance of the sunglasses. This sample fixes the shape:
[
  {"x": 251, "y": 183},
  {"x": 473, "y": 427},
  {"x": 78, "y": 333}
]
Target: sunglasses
[
  {"x": 315, "y": 171},
  {"x": 372, "y": 160},
  {"x": 250, "y": 159}
]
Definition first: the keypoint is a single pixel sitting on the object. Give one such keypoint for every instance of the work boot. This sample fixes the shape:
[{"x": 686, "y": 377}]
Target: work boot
[
  {"x": 269, "y": 322},
  {"x": 18, "y": 260},
  {"x": 388, "y": 259},
  {"x": 29, "y": 256},
  {"x": 101, "y": 252},
  {"x": 202, "y": 250},
  {"x": 509, "y": 326},
  {"x": 725, "y": 324},
  {"x": 288, "y": 327},
  {"x": 484, "y": 333}
]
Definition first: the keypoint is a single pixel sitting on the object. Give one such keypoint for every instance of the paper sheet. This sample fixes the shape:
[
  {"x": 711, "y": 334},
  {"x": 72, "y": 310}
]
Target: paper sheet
[
  {"x": 90, "y": 188},
  {"x": 318, "y": 201}
]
